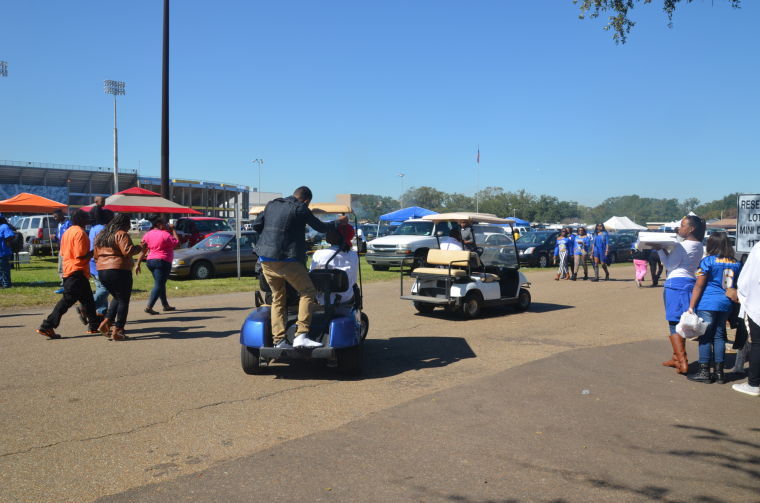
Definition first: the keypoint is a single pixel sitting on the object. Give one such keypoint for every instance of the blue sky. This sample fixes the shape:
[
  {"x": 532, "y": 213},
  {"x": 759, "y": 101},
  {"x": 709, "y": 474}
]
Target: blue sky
[{"x": 344, "y": 95}]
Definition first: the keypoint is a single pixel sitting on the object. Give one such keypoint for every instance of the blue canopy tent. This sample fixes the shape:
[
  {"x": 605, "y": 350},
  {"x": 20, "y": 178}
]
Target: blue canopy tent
[
  {"x": 520, "y": 221},
  {"x": 407, "y": 213}
]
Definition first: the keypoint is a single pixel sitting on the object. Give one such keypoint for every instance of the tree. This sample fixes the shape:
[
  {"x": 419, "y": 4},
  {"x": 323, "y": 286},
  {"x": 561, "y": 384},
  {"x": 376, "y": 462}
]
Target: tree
[
  {"x": 370, "y": 206},
  {"x": 619, "y": 10},
  {"x": 426, "y": 197}
]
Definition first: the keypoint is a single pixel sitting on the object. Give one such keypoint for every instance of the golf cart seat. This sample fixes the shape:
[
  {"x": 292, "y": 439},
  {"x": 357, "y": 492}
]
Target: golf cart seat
[{"x": 451, "y": 262}]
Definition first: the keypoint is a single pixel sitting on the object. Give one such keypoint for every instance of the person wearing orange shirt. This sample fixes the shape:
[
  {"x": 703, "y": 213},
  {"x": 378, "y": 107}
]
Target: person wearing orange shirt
[{"x": 75, "y": 253}]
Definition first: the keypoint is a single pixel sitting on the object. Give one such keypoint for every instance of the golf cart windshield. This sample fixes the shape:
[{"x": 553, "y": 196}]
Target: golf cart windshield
[
  {"x": 414, "y": 229},
  {"x": 497, "y": 244}
]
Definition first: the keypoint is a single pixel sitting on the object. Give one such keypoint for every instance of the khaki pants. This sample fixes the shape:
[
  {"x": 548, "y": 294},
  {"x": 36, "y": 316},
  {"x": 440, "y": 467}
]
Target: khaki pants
[{"x": 295, "y": 273}]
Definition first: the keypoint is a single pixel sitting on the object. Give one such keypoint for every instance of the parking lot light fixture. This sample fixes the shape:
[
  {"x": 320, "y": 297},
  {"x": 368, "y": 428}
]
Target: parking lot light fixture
[
  {"x": 116, "y": 88},
  {"x": 3, "y": 68}
]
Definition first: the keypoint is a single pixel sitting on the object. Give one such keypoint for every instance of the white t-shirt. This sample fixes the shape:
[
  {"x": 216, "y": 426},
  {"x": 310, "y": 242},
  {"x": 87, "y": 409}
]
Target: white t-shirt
[
  {"x": 449, "y": 243},
  {"x": 683, "y": 261},
  {"x": 347, "y": 261},
  {"x": 748, "y": 286}
]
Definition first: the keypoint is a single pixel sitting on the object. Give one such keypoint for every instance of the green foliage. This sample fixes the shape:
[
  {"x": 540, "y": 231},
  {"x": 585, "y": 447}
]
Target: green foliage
[
  {"x": 370, "y": 207},
  {"x": 619, "y": 21}
]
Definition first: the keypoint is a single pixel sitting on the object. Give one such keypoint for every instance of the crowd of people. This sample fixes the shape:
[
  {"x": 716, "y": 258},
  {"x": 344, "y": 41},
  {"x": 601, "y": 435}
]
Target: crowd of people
[{"x": 106, "y": 254}]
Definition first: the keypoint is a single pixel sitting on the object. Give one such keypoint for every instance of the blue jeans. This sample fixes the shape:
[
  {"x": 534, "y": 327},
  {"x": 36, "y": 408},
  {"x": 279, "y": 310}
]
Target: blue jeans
[
  {"x": 713, "y": 342},
  {"x": 160, "y": 270},
  {"x": 101, "y": 297},
  {"x": 5, "y": 271}
]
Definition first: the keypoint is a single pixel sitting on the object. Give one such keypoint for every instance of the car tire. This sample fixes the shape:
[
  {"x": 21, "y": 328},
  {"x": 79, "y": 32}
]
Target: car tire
[
  {"x": 350, "y": 360},
  {"x": 250, "y": 360},
  {"x": 202, "y": 270},
  {"x": 379, "y": 267},
  {"x": 523, "y": 301},
  {"x": 543, "y": 261},
  {"x": 471, "y": 305},
  {"x": 424, "y": 308}
]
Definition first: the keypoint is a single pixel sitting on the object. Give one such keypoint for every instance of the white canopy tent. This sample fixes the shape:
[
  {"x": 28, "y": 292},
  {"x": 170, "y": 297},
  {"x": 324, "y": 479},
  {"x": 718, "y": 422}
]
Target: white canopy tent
[{"x": 622, "y": 223}]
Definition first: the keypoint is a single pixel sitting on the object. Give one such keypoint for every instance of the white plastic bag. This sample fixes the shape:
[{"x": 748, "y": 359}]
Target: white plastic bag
[{"x": 691, "y": 326}]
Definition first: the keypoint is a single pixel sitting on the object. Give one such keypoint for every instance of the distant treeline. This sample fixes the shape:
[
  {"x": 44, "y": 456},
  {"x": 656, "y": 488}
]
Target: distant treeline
[{"x": 544, "y": 208}]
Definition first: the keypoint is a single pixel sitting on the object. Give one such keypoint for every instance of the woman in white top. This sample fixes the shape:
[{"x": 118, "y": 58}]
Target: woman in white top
[
  {"x": 338, "y": 256},
  {"x": 681, "y": 263},
  {"x": 451, "y": 242}
]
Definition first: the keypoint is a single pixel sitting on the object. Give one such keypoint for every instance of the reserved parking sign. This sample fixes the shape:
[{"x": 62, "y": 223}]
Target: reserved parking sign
[{"x": 747, "y": 222}]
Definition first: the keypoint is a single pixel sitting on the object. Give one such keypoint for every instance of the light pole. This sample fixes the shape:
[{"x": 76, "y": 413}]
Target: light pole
[
  {"x": 115, "y": 87},
  {"x": 258, "y": 188},
  {"x": 401, "y": 197},
  {"x": 3, "y": 68}
]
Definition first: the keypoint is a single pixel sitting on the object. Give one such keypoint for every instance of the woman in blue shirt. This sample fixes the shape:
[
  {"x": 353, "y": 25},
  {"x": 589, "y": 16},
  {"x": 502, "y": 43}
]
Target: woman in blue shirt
[
  {"x": 562, "y": 251},
  {"x": 581, "y": 247},
  {"x": 600, "y": 250},
  {"x": 717, "y": 272}
]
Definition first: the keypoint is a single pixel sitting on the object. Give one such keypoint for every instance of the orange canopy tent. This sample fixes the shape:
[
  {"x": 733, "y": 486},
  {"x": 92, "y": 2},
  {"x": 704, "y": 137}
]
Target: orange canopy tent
[{"x": 30, "y": 203}]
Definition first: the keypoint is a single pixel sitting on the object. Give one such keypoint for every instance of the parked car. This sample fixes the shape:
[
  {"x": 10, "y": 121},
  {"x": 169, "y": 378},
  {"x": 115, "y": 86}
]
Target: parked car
[
  {"x": 192, "y": 230},
  {"x": 216, "y": 255},
  {"x": 141, "y": 225},
  {"x": 39, "y": 233},
  {"x": 537, "y": 248},
  {"x": 369, "y": 231},
  {"x": 620, "y": 247}
]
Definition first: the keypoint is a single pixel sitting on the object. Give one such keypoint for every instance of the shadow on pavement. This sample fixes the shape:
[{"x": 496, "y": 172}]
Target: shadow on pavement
[
  {"x": 11, "y": 315},
  {"x": 177, "y": 319},
  {"x": 495, "y": 312},
  {"x": 213, "y": 309},
  {"x": 184, "y": 332}
]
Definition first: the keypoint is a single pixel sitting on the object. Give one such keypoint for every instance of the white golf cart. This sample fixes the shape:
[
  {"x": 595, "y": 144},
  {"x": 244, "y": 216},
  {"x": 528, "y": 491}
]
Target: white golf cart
[{"x": 466, "y": 281}]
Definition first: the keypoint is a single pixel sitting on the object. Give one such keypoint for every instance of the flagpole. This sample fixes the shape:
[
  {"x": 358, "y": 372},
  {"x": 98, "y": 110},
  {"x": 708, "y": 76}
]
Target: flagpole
[{"x": 477, "y": 182}]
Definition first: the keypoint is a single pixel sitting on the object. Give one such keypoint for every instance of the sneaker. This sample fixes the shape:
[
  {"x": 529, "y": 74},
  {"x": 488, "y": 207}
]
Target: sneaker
[
  {"x": 283, "y": 344},
  {"x": 169, "y": 308},
  {"x": 49, "y": 333},
  {"x": 81, "y": 314},
  {"x": 301, "y": 341},
  {"x": 60, "y": 290},
  {"x": 150, "y": 310},
  {"x": 747, "y": 389}
]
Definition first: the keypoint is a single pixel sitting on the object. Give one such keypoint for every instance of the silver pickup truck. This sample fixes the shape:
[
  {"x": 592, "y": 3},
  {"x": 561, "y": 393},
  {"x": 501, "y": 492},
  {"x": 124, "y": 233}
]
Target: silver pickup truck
[{"x": 412, "y": 239}]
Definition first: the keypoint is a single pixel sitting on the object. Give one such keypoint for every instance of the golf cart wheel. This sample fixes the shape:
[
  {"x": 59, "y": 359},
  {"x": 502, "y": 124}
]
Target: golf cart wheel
[
  {"x": 523, "y": 301},
  {"x": 250, "y": 360},
  {"x": 364, "y": 326},
  {"x": 349, "y": 360},
  {"x": 471, "y": 305},
  {"x": 202, "y": 270},
  {"x": 543, "y": 261},
  {"x": 379, "y": 267},
  {"x": 424, "y": 308}
]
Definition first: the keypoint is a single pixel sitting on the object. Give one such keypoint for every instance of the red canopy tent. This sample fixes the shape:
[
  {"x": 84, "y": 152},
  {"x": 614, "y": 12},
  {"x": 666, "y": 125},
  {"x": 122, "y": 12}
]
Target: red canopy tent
[
  {"x": 30, "y": 203},
  {"x": 138, "y": 200}
]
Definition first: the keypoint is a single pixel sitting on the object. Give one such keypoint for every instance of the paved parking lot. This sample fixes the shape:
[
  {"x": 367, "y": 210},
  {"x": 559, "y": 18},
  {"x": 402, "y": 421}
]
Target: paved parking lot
[{"x": 83, "y": 418}]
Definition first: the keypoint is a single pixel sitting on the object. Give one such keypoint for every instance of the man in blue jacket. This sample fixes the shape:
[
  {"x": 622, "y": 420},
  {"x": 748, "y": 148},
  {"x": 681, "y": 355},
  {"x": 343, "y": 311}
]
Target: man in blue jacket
[{"x": 282, "y": 252}]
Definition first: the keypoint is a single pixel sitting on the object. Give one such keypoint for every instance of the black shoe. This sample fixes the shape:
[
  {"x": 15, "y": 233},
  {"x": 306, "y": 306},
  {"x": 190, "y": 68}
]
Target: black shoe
[
  {"x": 574, "y": 277},
  {"x": 720, "y": 377},
  {"x": 585, "y": 278},
  {"x": 169, "y": 308},
  {"x": 150, "y": 310},
  {"x": 702, "y": 374}
]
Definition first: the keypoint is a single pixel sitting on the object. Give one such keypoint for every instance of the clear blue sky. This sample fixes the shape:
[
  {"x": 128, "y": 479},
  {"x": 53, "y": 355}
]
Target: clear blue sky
[{"x": 344, "y": 95}]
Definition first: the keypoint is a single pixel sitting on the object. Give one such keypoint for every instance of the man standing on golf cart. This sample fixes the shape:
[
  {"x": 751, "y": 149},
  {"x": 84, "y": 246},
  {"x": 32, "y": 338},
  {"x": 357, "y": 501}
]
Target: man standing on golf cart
[{"x": 282, "y": 252}]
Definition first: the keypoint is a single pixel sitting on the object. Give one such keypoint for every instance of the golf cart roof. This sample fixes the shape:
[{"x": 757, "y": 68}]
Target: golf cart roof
[
  {"x": 488, "y": 218},
  {"x": 314, "y": 207}
]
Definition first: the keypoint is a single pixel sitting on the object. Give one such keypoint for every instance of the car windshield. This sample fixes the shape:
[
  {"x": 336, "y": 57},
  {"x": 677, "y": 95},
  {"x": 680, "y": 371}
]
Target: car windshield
[
  {"x": 213, "y": 242},
  {"x": 534, "y": 238},
  {"x": 212, "y": 225},
  {"x": 414, "y": 229}
]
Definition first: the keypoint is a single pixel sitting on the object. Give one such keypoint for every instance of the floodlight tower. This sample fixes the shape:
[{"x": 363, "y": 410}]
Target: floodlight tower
[
  {"x": 258, "y": 188},
  {"x": 401, "y": 197},
  {"x": 3, "y": 68},
  {"x": 115, "y": 87}
]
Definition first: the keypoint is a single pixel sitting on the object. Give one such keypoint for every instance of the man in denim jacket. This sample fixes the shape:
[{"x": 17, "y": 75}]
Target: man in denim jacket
[{"x": 281, "y": 248}]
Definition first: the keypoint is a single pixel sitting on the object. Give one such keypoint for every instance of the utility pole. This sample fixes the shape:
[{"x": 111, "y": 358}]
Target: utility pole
[
  {"x": 165, "y": 108},
  {"x": 258, "y": 187}
]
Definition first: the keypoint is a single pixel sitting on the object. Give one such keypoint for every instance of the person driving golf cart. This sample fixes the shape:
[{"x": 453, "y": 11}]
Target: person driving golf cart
[{"x": 338, "y": 256}]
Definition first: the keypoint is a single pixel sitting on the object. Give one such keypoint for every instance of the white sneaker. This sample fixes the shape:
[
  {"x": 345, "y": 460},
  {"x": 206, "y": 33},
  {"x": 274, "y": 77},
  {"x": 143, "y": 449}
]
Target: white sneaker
[
  {"x": 301, "y": 341},
  {"x": 283, "y": 344},
  {"x": 747, "y": 389}
]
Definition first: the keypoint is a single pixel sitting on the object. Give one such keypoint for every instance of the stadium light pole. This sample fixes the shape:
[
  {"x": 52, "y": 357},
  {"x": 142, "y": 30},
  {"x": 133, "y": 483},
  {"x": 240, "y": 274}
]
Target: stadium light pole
[
  {"x": 165, "y": 107},
  {"x": 258, "y": 188},
  {"x": 115, "y": 87},
  {"x": 3, "y": 68},
  {"x": 401, "y": 197}
]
